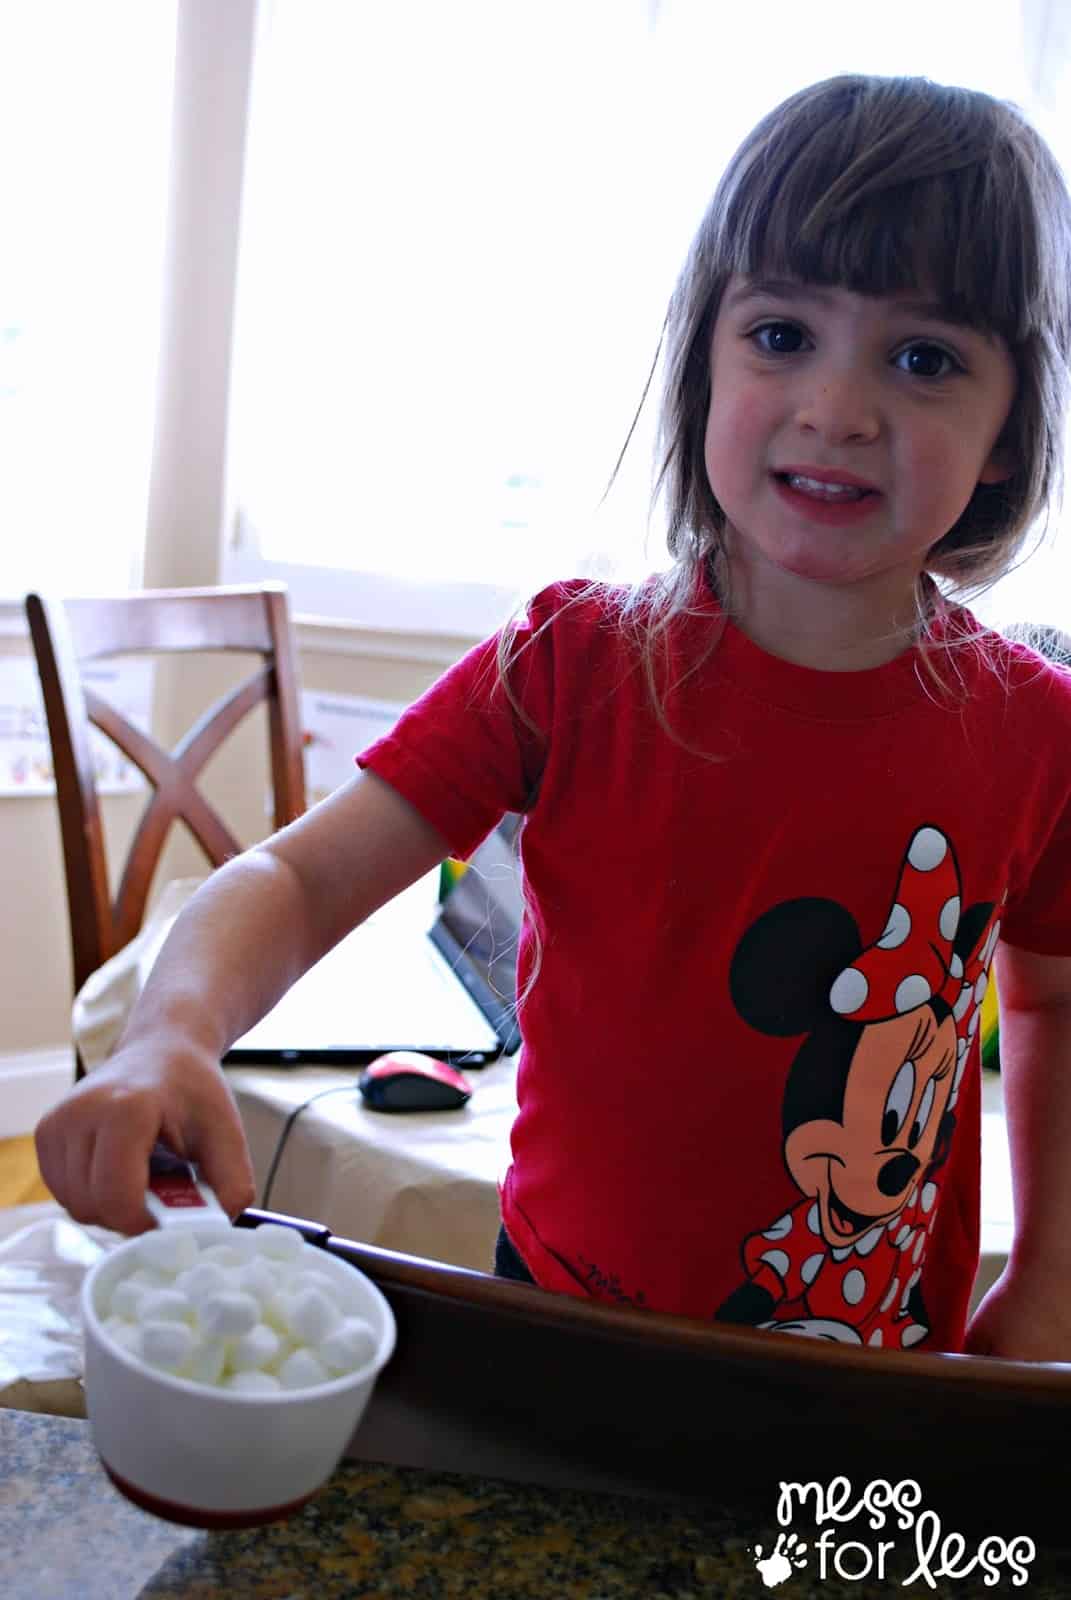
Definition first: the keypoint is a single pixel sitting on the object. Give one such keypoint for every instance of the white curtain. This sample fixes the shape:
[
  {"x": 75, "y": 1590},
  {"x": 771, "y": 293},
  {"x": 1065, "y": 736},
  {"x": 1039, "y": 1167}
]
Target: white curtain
[
  {"x": 85, "y": 112},
  {"x": 462, "y": 224}
]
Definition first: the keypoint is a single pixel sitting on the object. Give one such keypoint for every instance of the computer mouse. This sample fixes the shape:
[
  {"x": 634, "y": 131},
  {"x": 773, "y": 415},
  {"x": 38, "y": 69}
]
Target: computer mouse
[{"x": 406, "y": 1080}]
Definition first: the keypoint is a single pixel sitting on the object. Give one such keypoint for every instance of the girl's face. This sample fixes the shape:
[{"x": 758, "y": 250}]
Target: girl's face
[{"x": 845, "y": 436}]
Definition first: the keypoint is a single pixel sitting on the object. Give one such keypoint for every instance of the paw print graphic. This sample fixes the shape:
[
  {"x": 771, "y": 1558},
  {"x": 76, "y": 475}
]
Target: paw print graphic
[{"x": 786, "y": 1557}]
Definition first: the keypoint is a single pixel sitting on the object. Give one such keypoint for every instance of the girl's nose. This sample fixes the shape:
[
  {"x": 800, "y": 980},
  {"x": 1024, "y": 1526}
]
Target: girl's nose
[{"x": 840, "y": 406}]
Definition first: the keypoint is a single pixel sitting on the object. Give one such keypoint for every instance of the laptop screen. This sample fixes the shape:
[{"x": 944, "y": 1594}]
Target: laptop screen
[{"x": 483, "y": 910}]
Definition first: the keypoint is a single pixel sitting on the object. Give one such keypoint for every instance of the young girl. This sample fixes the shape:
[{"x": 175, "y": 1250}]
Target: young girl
[{"x": 784, "y": 806}]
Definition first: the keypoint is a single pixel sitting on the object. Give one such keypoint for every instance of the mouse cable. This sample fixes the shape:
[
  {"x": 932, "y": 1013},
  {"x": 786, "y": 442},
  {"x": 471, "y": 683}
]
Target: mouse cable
[{"x": 273, "y": 1166}]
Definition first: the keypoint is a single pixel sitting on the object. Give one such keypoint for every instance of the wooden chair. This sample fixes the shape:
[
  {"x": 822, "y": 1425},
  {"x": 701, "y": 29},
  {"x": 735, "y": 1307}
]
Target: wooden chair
[{"x": 67, "y": 634}]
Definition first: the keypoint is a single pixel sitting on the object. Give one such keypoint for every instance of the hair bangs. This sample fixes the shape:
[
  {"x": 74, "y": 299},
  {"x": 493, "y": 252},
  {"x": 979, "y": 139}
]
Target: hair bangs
[{"x": 872, "y": 231}]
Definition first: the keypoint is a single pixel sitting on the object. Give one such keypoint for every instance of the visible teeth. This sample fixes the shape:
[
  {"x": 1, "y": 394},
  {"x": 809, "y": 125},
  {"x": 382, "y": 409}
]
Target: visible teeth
[{"x": 825, "y": 491}]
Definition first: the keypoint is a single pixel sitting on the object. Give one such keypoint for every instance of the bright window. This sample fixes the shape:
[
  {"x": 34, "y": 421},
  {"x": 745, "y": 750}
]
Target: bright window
[
  {"x": 462, "y": 226},
  {"x": 85, "y": 113}
]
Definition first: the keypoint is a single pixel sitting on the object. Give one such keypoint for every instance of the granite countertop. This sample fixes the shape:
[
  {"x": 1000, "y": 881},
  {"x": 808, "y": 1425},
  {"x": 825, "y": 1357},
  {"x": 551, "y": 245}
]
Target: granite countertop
[{"x": 382, "y": 1531}]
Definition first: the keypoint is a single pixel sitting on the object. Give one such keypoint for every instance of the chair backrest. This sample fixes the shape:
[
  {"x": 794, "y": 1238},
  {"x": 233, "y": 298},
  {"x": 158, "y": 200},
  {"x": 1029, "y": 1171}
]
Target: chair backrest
[{"x": 68, "y": 633}]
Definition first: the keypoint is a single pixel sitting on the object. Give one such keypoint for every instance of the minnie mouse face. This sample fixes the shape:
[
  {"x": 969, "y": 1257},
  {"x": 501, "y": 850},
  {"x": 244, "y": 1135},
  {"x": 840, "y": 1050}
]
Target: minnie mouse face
[{"x": 860, "y": 1167}]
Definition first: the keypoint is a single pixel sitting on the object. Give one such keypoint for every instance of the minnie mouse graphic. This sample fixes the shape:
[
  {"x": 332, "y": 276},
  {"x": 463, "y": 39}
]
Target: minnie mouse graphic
[{"x": 867, "y": 1113}]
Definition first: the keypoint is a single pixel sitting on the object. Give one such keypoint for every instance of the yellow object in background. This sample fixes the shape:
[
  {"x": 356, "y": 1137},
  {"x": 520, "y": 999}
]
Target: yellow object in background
[
  {"x": 990, "y": 1030},
  {"x": 450, "y": 871}
]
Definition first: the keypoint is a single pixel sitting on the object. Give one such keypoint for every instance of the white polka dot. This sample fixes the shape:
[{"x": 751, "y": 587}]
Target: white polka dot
[
  {"x": 920, "y": 1245},
  {"x": 890, "y": 1295},
  {"x": 912, "y": 1335},
  {"x": 849, "y": 992},
  {"x": 955, "y": 966},
  {"x": 910, "y": 1201},
  {"x": 810, "y": 1268},
  {"x": 844, "y": 1252},
  {"x": 948, "y": 921},
  {"x": 911, "y": 992},
  {"x": 869, "y": 1240},
  {"x": 903, "y": 1238},
  {"x": 894, "y": 1224},
  {"x": 972, "y": 1026},
  {"x": 854, "y": 1286},
  {"x": 980, "y": 988},
  {"x": 929, "y": 1195},
  {"x": 911, "y": 1282},
  {"x": 963, "y": 1002},
  {"x": 961, "y": 1048},
  {"x": 814, "y": 1221},
  {"x": 896, "y": 929},
  {"x": 875, "y": 1339},
  {"x": 927, "y": 850},
  {"x": 780, "y": 1228},
  {"x": 778, "y": 1260}
]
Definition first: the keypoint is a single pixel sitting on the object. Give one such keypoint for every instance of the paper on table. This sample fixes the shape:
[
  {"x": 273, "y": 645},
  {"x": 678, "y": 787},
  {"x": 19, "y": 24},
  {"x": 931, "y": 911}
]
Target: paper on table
[{"x": 41, "y": 1272}]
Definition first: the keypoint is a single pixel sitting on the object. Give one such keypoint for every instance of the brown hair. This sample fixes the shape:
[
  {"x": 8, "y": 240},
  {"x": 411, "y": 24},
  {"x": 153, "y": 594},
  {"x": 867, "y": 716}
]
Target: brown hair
[
  {"x": 881, "y": 185},
  {"x": 876, "y": 185}
]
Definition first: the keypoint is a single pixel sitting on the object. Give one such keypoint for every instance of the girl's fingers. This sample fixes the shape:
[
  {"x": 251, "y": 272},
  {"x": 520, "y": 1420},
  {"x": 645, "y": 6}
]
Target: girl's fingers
[
  {"x": 222, "y": 1157},
  {"x": 119, "y": 1173}
]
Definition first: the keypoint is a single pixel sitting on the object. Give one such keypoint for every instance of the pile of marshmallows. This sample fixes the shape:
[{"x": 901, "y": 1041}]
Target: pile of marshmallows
[{"x": 249, "y": 1312}]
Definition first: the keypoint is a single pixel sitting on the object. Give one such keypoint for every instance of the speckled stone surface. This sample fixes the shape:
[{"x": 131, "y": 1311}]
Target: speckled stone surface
[{"x": 66, "y": 1534}]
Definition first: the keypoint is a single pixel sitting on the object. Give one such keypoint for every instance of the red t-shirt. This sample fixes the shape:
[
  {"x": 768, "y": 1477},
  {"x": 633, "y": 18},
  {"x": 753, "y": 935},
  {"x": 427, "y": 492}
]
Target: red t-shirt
[{"x": 749, "y": 1085}]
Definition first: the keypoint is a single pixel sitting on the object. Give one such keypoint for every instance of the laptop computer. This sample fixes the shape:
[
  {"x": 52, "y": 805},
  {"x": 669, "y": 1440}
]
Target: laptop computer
[{"x": 410, "y": 978}]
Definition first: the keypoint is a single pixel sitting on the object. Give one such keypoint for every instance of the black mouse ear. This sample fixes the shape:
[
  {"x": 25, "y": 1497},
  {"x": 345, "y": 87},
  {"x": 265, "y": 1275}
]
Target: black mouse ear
[{"x": 785, "y": 965}]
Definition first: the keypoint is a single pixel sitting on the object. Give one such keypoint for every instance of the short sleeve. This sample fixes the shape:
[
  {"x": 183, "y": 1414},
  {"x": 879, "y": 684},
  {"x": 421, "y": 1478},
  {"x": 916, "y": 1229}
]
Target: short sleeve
[
  {"x": 471, "y": 748},
  {"x": 1038, "y": 914}
]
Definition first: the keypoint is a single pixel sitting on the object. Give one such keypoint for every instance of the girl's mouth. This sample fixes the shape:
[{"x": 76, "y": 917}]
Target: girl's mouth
[{"x": 828, "y": 502}]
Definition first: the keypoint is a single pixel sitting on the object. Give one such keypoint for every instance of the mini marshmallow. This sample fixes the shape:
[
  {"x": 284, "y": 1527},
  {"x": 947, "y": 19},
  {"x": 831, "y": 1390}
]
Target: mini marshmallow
[
  {"x": 252, "y": 1383},
  {"x": 144, "y": 1278},
  {"x": 227, "y": 1256},
  {"x": 257, "y": 1348},
  {"x": 167, "y": 1250},
  {"x": 126, "y": 1297},
  {"x": 207, "y": 1362},
  {"x": 300, "y": 1282},
  {"x": 279, "y": 1242},
  {"x": 166, "y": 1344},
  {"x": 348, "y": 1346},
  {"x": 258, "y": 1279},
  {"x": 164, "y": 1305},
  {"x": 125, "y": 1334},
  {"x": 311, "y": 1316},
  {"x": 202, "y": 1280},
  {"x": 228, "y": 1315},
  {"x": 276, "y": 1311},
  {"x": 301, "y": 1370}
]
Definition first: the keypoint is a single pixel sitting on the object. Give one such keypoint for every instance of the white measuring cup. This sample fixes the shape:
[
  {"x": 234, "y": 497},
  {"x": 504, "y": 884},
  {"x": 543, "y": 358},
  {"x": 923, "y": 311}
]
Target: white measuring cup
[{"x": 206, "y": 1456}]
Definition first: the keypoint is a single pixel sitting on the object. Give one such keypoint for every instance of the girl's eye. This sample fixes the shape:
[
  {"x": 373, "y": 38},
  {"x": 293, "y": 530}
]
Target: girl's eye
[
  {"x": 918, "y": 1127},
  {"x": 778, "y": 338},
  {"x": 927, "y": 361},
  {"x": 898, "y": 1103}
]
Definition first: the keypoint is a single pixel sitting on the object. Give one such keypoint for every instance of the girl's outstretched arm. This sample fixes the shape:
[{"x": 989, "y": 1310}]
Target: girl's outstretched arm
[
  {"x": 1026, "y": 1315},
  {"x": 258, "y": 923}
]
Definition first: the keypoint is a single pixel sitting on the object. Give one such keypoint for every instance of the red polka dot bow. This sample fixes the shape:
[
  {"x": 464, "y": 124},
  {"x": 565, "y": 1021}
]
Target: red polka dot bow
[{"x": 914, "y": 959}]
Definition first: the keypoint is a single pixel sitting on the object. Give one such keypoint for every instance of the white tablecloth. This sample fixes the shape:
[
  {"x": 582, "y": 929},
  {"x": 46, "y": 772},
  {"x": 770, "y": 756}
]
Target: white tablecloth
[{"x": 425, "y": 1183}]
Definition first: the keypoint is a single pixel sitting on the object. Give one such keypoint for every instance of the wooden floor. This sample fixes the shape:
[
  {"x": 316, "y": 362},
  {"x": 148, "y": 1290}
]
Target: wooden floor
[{"x": 20, "y": 1181}]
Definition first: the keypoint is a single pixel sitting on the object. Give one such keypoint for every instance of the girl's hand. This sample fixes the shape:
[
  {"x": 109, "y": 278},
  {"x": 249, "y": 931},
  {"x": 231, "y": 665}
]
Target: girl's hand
[
  {"x": 93, "y": 1148},
  {"x": 1025, "y": 1316}
]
